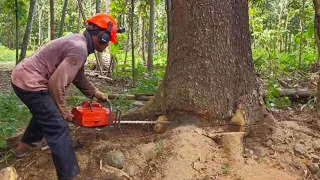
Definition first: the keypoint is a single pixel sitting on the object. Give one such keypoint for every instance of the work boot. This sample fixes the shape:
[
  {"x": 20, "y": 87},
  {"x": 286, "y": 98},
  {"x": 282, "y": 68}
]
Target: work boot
[{"x": 22, "y": 149}]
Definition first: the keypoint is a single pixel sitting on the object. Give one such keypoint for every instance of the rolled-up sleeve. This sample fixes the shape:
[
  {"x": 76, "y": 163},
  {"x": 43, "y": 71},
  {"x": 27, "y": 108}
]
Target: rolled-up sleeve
[{"x": 61, "y": 79}]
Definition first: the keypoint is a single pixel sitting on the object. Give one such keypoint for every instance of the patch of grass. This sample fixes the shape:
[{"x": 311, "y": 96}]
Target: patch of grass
[
  {"x": 13, "y": 115},
  {"x": 226, "y": 169},
  {"x": 7, "y": 156},
  {"x": 9, "y": 55},
  {"x": 159, "y": 145}
]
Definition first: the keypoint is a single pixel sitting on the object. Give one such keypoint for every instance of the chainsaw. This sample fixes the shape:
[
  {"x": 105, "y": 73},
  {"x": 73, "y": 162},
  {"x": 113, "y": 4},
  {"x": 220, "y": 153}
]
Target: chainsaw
[{"x": 94, "y": 114}]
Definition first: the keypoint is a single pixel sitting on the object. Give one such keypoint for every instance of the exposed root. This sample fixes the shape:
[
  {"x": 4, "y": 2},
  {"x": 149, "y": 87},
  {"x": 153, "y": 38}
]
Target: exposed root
[{"x": 151, "y": 110}]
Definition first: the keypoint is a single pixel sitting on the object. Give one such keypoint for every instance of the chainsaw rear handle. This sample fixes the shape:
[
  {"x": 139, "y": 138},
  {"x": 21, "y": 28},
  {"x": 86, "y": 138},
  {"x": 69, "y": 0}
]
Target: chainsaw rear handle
[
  {"x": 110, "y": 112},
  {"x": 117, "y": 115}
]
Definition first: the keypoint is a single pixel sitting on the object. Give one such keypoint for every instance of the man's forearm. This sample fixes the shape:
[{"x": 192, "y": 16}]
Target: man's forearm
[{"x": 84, "y": 85}]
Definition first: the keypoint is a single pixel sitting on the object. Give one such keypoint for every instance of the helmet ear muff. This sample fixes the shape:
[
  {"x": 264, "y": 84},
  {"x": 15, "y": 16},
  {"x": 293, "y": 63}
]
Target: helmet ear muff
[{"x": 105, "y": 36}]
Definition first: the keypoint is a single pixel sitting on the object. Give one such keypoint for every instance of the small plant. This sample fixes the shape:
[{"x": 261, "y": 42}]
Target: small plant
[
  {"x": 8, "y": 155},
  {"x": 159, "y": 145},
  {"x": 273, "y": 99},
  {"x": 226, "y": 168}
]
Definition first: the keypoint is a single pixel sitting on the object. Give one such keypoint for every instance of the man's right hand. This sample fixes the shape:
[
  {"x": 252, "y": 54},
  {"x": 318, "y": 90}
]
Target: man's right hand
[{"x": 70, "y": 116}]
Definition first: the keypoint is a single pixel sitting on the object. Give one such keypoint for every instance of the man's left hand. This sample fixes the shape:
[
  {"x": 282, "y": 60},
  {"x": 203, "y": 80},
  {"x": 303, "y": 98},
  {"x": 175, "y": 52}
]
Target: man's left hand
[{"x": 100, "y": 95}]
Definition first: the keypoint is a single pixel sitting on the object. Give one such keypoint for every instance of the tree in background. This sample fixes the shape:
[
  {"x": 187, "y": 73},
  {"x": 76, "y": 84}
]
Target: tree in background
[
  {"x": 151, "y": 36},
  {"x": 52, "y": 19},
  {"x": 27, "y": 33}
]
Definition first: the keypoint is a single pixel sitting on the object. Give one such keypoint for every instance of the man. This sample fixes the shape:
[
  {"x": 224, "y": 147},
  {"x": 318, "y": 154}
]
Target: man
[{"x": 41, "y": 80}]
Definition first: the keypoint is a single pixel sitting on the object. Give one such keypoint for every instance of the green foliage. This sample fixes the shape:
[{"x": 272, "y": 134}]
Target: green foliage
[
  {"x": 272, "y": 98},
  {"x": 159, "y": 145},
  {"x": 9, "y": 7},
  {"x": 8, "y": 55},
  {"x": 226, "y": 168},
  {"x": 13, "y": 115}
]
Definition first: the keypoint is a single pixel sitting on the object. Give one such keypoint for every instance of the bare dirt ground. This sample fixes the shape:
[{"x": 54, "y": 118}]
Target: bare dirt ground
[{"x": 182, "y": 152}]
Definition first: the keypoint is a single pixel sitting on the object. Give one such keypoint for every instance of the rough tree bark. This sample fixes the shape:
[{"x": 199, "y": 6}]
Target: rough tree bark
[
  {"x": 210, "y": 67},
  {"x": 27, "y": 33}
]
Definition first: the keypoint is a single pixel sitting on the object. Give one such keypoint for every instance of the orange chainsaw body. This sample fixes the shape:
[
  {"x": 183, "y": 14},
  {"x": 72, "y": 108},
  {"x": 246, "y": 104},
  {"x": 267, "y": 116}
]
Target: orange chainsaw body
[{"x": 93, "y": 116}]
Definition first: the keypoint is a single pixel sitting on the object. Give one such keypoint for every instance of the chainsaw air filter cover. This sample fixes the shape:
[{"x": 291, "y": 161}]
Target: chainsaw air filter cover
[{"x": 93, "y": 116}]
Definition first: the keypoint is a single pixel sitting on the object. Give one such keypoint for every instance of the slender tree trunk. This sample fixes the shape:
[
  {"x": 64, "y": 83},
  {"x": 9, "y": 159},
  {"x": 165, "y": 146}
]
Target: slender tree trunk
[
  {"x": 289, "y": 45},
  {"x": 51, "y": 19},
  {"x": 151, "y": 37},
  {"x": 27, "y": 33},
  {"x": 17, "y": 31},
  {"x": 98, "y": 6},
  {"x": 108, "y": 2},
  {"x": 316, "y": 4},
  {"x": 65, "y": 4},
  {"x": 99, "y": 58},
  {"x": 79, "y": 18},
  {"x": 209, "y": 74},
  {"x": 82, "y": 12},
  {"x": 279, "y": 26},
  {"x": 127, "y": 47},
  {"x": 40, "y": 25},
  {"x": 142, "y": 33},
  {"x": 286, "y": 34},
  {"x": 143, "y": 44},
  {"x": 49, "y": 31},
  {"x": 132, "y": 45},
  {"x": 301, "y": 34}
]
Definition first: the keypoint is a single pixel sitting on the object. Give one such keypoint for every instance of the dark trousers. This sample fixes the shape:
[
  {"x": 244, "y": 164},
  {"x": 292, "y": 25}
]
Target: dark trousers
[{"x": 47, "y": 122}]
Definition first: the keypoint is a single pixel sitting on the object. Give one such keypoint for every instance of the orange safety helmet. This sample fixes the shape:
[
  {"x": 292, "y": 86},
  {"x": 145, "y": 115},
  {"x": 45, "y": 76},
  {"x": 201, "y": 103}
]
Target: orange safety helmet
[{"x": 102, "y": 21}]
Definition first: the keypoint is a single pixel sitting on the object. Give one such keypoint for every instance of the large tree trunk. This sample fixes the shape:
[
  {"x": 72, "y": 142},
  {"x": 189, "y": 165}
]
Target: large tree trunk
[
  {"x": 51, "y": 19},
  {"x": 65, "y": 4},
  {"x": 151, "y": 37},
  {"x": 210, "y": 68},
  {"x": 27, "y": 33}
]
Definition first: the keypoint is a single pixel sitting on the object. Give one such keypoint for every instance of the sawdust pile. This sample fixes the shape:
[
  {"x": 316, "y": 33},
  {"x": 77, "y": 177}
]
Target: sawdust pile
[{"x": 188, "y": 154}]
